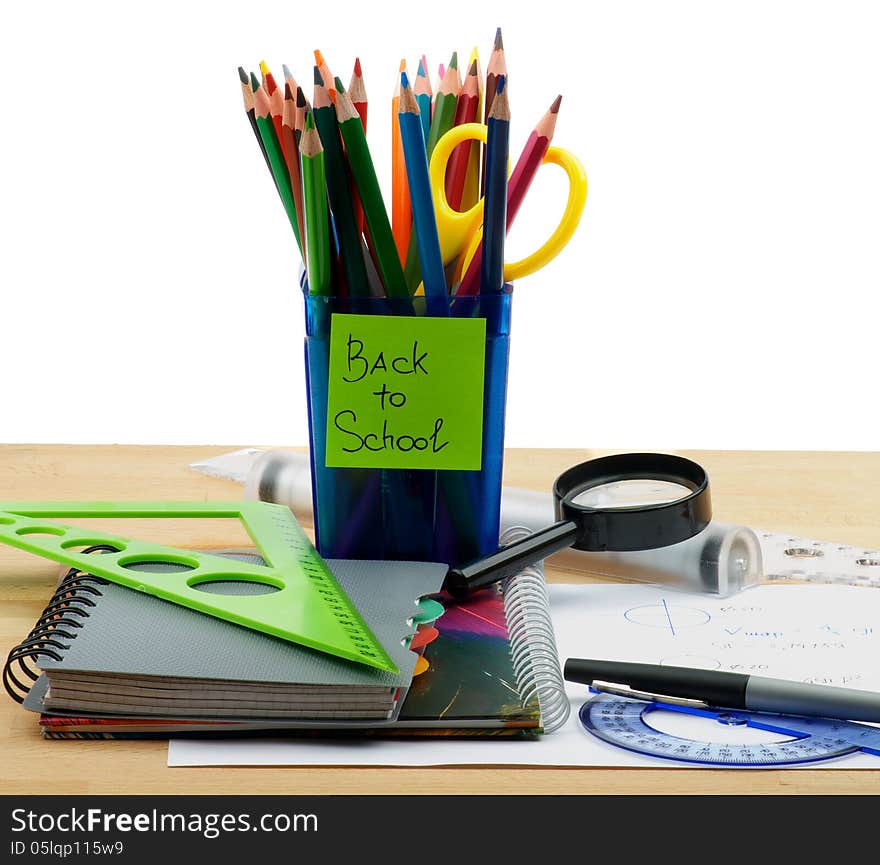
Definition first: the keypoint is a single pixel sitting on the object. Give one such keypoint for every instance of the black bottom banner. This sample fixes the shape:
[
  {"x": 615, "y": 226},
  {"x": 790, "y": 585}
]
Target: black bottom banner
[{"x": 454, "y": 829}]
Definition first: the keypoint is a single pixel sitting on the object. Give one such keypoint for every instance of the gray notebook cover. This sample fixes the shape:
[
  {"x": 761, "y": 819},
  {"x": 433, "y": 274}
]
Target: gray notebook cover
[{"x": 134, "y": 634}]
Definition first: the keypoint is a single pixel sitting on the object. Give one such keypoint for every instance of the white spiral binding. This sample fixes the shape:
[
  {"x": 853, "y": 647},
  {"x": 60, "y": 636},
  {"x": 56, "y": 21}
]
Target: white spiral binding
[{"x": 532, "y": 640}]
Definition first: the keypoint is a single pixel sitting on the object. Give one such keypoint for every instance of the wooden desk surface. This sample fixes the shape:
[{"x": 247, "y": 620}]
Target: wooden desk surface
[{"x": 830, "y": 496}]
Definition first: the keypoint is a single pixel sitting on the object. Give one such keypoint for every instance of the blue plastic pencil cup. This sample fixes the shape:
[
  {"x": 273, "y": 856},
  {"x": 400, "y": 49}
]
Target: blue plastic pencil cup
[{"x": 409, "y": 514}]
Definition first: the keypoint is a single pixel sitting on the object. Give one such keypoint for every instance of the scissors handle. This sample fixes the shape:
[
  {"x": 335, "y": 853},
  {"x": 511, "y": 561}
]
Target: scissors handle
[
  {"x": 571, "y": 215},
  {"x": 456, "y": 228},
  {"x": 461, "y": 232}
]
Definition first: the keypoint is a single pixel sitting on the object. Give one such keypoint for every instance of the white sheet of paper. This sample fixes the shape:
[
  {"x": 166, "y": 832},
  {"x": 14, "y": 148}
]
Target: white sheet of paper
[{"x": 822, "y": 634}]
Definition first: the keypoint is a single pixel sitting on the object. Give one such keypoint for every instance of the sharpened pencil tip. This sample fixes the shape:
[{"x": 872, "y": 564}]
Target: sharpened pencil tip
[
  {"x": 404, "y": 80},
  {"x": 264, "y": 68},
  {"x": 318, "y": 78},
  {"x": 499, "y": 43},
  {"x": 310, "y": 122},
  {"x": 338, "y": 82},
  {"x": 554, "y": 108},
  {"x": 421, "y": 68},
  {"x": 288, "y": 91},
  {"x": 473, "y": 68},
  {"x": 255, "y": 82},
  {"x": 502, "y": 80},
  {"x": 402, "y": 67},
  {"x": 243, "y": 75},
  {"x": 453, "y": 61},
  {"x": 319, "y": 58},
  {"x": 300, "y": 97},
  {"x": 286, "y": 71},
  {"x": 357, "y": 67}
]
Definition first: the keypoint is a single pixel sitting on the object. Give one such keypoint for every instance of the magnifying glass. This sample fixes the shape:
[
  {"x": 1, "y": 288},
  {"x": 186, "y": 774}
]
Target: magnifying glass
[
  {"x": 619, "y": 503},
  {"x": 721, "y": 560}
]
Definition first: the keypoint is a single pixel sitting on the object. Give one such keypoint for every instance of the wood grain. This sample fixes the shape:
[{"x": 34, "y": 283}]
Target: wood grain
[{"x": 830, "y": 496}]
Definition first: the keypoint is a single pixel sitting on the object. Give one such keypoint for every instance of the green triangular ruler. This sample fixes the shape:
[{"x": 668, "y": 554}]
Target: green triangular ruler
[{"x": 308, "y": 607}]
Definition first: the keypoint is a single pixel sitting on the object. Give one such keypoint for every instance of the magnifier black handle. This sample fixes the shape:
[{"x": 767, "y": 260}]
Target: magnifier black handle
[{"x": 512, "y": 558}]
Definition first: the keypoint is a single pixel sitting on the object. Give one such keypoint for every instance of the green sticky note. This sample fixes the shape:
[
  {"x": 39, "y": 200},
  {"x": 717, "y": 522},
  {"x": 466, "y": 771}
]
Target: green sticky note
[{"x": 405, "y": 392}]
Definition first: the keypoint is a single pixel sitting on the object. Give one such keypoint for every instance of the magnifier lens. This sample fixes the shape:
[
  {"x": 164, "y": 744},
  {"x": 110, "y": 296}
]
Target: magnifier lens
[{"x": 631, "y": 493}]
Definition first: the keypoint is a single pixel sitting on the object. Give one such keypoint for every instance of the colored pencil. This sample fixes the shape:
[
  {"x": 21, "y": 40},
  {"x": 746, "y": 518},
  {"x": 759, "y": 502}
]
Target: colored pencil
[
  {"x": 444, "y": 104},
  {"x": 473, "y": 177},
  {"x": 288, "y": 77},
  {"x": 401, "y": 212},
  {"x": 495, "y": 200},
  {"x": 465, "y": 112},
  {"x": 268, "y": 81},
  {"x": 358, "y": 92},
  {"x": 520, "y": 180},
  {"x": 424, "y": 96},
  {"x": 424, "y": 218},
  {"x": 355, "y": 195},
  {"x": 276, "y": 157},
  {"x": 302, "y": 109},
  {"x": 317, "y": 235},
  {"x": 376, "y": 216},
  {"x": 276, "y": 97},
  {"x": 247, "y": 93},
  {"x": 497, "y": 66},
  {"x": 340, "y": 193},
  {"x": 326, "y": 75},
  {"x": 442, "y": 119},
  {"x": 290, "y": 150}
]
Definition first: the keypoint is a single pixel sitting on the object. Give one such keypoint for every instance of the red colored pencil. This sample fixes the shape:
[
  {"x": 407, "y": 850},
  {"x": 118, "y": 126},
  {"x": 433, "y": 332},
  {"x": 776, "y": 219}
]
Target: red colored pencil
[
  {"x": 276, "y": 97},
  {"x": 465, "y": 112},
  {"x": 358, "y": 92}
]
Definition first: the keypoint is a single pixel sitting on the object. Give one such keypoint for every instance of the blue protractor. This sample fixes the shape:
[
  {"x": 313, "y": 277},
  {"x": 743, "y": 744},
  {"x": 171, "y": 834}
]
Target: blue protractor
[{"x": 626, "y": 723}]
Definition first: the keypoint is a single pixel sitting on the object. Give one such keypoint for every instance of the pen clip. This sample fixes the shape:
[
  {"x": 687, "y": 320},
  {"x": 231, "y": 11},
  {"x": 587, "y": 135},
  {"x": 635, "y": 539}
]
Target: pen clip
[{"x": 620, "y": 690}]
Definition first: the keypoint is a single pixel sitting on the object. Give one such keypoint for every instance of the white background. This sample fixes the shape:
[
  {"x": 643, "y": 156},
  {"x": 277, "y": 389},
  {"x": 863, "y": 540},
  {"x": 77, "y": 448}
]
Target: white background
[{"x": 721, "y": 291}]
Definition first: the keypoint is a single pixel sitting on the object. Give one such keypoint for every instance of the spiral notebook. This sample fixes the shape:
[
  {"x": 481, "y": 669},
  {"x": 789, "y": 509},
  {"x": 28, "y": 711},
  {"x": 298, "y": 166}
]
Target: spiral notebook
[
  {"x": 115, "y": 651},
  {"x": 492, "y": 669}
]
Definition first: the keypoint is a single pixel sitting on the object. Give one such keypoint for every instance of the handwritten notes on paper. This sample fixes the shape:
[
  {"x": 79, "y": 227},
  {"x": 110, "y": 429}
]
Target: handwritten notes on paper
[
  {"x": 822, "y": 634},
  {"x": 405, "y": 392}
]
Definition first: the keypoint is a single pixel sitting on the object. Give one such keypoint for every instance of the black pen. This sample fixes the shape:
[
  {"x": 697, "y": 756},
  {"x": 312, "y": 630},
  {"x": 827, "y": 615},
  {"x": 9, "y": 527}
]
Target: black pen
[{"x": 727, "y": 690}]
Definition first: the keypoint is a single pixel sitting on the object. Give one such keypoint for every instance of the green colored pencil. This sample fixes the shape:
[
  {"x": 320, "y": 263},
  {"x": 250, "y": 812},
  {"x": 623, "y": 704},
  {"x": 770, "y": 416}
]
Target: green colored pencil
[
  {"x": 376, "y": 216},
  {"x": 276, "y": 158},
  {"x": 350, "y": 246},
  {"x": 316, "y": 216},
  {"x": 444, "y": 104}
]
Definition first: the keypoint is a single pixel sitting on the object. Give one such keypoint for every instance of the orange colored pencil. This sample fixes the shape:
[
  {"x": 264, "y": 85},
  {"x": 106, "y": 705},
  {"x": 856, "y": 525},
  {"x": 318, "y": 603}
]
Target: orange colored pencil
[{"x": 401, "y": 209}]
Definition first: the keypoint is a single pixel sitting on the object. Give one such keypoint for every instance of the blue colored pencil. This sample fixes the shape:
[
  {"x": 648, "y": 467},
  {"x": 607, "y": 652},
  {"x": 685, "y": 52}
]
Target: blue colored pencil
[
  {"x": 424, "y": 219},
  {"x": 422, "y": 91},
  {"x": 495, "y": 200}
]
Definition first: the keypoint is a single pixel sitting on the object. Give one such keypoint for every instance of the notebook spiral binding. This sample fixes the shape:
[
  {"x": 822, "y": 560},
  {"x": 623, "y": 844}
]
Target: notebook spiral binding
[
  {"x": 60, "y": 619},
  {"x": 532, "y": 640}
]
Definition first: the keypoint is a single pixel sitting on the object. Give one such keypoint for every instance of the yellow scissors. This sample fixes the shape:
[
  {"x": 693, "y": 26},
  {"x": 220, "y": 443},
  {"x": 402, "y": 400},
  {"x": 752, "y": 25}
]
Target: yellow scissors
[{"x": 461, "y": 232}]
